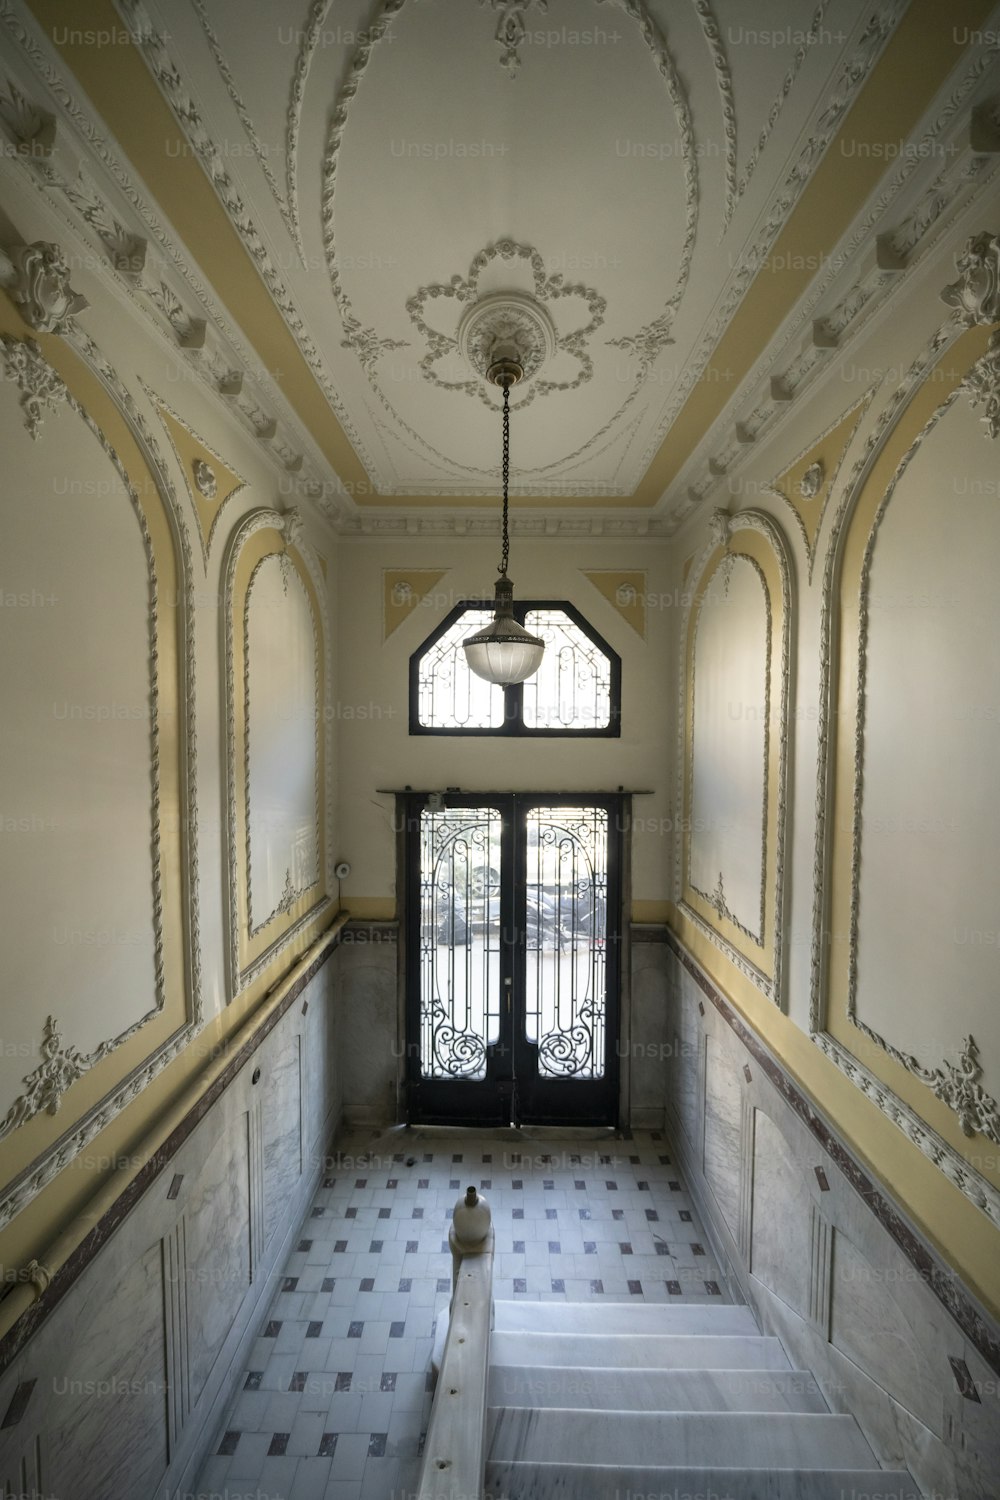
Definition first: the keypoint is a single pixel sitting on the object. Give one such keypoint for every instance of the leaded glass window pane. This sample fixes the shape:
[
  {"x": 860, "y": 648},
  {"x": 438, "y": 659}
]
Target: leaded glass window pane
[
  {"x": 450, "y": 696},
  {"x": 572, "y": 687}
]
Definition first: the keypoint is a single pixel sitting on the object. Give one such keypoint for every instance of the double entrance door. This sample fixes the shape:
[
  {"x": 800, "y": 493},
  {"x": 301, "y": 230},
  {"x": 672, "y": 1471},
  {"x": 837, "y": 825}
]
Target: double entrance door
[{"x": 513, "y": 958}]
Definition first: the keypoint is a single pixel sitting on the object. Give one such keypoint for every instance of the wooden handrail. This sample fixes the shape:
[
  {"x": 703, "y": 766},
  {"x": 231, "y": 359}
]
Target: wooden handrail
[{"x": 454, "y": 1461}]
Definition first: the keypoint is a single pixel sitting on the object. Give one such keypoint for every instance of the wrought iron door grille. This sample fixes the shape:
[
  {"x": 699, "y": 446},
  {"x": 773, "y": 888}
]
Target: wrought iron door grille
[
  {"x": 459, "y": 940},
  {"x": 566, "y": 926}
]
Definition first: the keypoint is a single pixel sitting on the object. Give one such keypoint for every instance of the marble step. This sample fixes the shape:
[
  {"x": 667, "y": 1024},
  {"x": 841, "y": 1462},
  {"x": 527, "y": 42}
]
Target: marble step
[
  {"x": 526, "y": 1481},
  {"x": 755, "y": 1440},
  {"x": 624, "y": 1317},
  {"x": 640, "y": 1351},
  {"x": 655, "y": 1390}
]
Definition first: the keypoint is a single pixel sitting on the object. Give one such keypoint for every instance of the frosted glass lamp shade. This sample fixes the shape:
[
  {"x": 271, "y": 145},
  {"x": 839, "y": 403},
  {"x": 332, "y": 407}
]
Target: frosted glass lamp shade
[{"x": 504, "y": 652}]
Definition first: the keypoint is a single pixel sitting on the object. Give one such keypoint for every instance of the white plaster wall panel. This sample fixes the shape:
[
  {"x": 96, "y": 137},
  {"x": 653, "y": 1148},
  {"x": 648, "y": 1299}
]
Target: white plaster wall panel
[
  {"x": 281, "y": 1081},
  {"x": 876, "y": 1320},
  {"x": 282, "y": 741},
  {"x": 780, "y": 1252},
  {"x": 217, "y": 1269},
  {"x": 928, "y": 931},
  {"x": 729, "y": 734},
  {"x": 105, "y": 1415},
  {"x": 75, "y": 682},
  {"x": 722, "y": 1128}
]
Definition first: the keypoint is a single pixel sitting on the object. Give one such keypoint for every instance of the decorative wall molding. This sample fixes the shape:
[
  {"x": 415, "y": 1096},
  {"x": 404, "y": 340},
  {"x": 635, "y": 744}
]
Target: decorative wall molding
[
  {"x": 818, "y": 478},
  {"x": 209, "y": 477},
  {"x": 724, "y": 83},
  {"x": 23, "y": 1188},
  {"x": 63, "y": 1278},
  {"x": 37, "y": 278},
  {"x": 645, "y": 344},
  {"x": 173, "y": 86},
  {"x": 291, "y": 529},
  {"x": 212, "y": 346},
  {"x": 723, "y": 529},
  {"x": 887, "y": 419},
  {"x": 60, "y": 1066},
  {"x": 956, "y": 1086},
  {"x": 939, "y": 1277},
  {"x": 287, "y": 201},
  {"x": 801, "y": 51},
  {"x": 959, "y": 1173},
  {"x": 836, "y": 311},
  {"x": 975, "y": 296},
  {"x": 242, "y": 972},
  {"x": 42, "y": 389},
  {"x": 511, "y": 28}
]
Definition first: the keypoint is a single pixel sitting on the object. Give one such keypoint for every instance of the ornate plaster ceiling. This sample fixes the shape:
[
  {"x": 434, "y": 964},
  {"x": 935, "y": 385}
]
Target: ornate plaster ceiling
[{"x": 628, "y": 164}]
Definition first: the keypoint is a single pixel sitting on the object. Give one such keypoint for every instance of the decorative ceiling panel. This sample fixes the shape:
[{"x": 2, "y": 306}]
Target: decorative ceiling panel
[{"x": 627, "y": 165}]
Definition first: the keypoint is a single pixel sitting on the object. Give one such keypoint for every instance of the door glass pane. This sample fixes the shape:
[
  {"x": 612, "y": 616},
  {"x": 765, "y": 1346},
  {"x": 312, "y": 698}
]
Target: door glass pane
[
  {"x": 459, "y": 940},
  {"x": 566, "y": 927}
]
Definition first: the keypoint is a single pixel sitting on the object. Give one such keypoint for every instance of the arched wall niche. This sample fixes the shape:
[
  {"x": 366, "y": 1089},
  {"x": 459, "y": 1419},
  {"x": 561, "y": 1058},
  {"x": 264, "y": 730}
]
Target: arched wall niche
[
  {"x": 277, "y": 742},
  {"x": 735, "y": 716},
  {"x": 102, "y": 862},
  {"x": 904, "y": 942}
]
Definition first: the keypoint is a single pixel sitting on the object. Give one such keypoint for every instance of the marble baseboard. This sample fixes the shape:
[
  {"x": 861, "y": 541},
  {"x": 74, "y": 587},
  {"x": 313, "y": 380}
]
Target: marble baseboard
[
  {"x": 825, "y": 1258},
  {"x": 119, "y": 1383}
]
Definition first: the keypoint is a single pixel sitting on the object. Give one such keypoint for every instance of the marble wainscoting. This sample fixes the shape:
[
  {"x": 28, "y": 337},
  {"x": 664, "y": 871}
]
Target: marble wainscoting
[
  {"x": 115, "y": 1381},
  {"x": 369, "y": 1003},
  {"x": 645, "y": 1044},
  {"x": 824, "y": 1256}
]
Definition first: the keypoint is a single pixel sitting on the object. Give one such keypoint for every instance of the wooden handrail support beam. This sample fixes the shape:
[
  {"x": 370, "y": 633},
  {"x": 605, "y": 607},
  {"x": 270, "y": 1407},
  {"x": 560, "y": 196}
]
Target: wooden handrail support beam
[{"x": 455, "y": 1448}]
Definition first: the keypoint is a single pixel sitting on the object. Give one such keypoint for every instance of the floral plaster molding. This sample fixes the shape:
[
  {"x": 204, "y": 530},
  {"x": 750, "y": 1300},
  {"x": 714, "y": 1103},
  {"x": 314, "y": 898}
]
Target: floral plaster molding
[
  {"x": 975, "y": 296},
  {"x": 42, "y": 389},
  {"x": 60, "y": 1067},
  {"x": 521, "y": 323},
  {"x": 512, "y": 28}
]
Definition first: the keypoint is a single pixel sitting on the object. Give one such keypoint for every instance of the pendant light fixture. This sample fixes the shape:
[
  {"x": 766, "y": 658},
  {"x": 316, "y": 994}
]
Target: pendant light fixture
[{"x": 503, "y": 652}]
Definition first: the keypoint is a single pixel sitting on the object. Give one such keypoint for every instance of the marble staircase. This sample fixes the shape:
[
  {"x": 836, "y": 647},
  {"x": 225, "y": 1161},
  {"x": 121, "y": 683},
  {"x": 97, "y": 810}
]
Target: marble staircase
[{"x": 622, "y": 1401}]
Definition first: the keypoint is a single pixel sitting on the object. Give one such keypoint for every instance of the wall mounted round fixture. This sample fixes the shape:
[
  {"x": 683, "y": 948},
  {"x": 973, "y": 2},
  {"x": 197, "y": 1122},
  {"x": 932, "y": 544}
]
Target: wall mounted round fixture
[
  {"x": 255, "y": 1076},
  {"x": 342, "y": 869}
]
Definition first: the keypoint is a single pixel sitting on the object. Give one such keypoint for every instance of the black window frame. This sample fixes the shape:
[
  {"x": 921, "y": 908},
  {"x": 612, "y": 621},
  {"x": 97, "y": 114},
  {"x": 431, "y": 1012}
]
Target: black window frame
[{"x": 513, "y": 725}]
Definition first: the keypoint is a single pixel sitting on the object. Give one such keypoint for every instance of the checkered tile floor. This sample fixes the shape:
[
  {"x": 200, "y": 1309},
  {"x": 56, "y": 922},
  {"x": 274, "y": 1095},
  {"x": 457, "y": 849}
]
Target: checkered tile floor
[{"x": 335, "y": 1402}]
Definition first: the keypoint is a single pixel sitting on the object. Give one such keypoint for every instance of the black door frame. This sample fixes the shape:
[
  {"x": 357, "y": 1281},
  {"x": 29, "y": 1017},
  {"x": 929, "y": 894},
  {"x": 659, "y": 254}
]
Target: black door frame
[{"x": 512, "y": 1090}]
